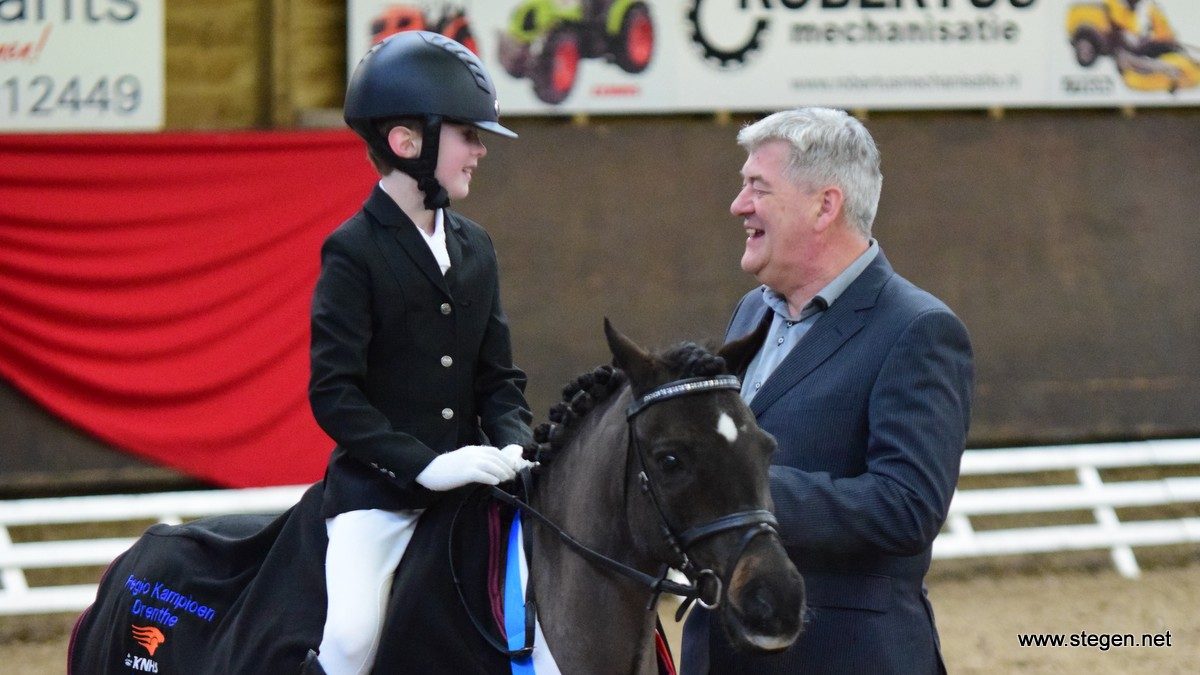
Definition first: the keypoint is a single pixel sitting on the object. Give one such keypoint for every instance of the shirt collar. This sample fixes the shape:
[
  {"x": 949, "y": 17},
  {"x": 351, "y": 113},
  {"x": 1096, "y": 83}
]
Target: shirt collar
[
  {"x": 439, "y": 230},
  {"x": 830, "y": 293}
]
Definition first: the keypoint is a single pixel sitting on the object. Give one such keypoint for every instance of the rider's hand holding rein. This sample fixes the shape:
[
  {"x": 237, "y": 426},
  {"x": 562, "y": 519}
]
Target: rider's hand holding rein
[
  {"x": 472, "y": 464},
  {"x": 515, "y": 454}
]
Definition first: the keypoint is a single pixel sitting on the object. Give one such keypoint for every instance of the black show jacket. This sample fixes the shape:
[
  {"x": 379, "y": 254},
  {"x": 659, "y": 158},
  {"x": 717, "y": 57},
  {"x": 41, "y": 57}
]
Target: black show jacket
[{"x": 407, "y": 363}]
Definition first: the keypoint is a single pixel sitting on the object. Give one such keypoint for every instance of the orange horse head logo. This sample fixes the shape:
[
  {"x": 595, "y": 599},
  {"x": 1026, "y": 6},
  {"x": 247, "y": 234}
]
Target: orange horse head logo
[{"x": 148, "y": 637}]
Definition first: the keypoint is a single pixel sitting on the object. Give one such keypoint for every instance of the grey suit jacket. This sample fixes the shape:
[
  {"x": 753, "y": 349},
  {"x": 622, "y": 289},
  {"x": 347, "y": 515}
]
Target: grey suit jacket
[{"x": 870, "y": 411}]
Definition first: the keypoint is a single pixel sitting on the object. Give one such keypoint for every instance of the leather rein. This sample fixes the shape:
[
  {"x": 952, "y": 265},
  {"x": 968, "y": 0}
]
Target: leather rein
[{"x": 704, "y": 586}]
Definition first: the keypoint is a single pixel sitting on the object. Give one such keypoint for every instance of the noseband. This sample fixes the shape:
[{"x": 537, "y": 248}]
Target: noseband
[{"x": 706, "y": 586}]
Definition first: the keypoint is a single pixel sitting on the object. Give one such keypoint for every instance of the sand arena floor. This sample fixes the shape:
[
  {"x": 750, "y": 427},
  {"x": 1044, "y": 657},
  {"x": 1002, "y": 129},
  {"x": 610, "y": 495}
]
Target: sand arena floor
[{"x": 981, "y": 609}]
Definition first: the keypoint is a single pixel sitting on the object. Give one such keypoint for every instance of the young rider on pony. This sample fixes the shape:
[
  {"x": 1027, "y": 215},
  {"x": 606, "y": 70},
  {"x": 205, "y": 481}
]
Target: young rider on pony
[{"x": 412, "y": 372}]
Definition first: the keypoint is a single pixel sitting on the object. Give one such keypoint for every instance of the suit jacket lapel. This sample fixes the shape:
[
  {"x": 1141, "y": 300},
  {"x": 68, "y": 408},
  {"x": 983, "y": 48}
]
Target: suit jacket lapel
[
  {"x": 400, "y": 237},
  {"x": 836, "y": 325}
]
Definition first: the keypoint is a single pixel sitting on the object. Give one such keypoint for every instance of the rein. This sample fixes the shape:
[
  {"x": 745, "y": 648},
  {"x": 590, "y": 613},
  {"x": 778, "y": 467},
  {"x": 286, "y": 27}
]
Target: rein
[
  {"x": 657, "y": 584},
  {"x": 755, "y": 521}
]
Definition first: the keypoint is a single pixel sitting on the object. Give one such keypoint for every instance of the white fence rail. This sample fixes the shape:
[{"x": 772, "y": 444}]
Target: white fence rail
[
  {"x": 959, "y": 540},
  {"x": 1090, "y": 493},
  {"x": 18, "y": 597}
]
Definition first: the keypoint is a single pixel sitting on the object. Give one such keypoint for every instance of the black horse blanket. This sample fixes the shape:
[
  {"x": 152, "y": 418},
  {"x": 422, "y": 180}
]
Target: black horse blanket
[{"x": 246, "y": 594}]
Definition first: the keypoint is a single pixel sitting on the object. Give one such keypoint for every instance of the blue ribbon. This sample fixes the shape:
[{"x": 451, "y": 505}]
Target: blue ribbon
[{"x": 514, "y": 600}]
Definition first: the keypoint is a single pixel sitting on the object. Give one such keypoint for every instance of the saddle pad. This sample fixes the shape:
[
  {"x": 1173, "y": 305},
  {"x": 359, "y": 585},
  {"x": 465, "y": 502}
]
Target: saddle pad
[{"x": 227, "y": 594}]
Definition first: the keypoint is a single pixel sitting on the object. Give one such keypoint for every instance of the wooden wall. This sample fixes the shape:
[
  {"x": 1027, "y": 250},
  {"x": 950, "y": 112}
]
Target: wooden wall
[
  {"x": 1065, "y": 241},
  {"x": 253, "y": 63}
]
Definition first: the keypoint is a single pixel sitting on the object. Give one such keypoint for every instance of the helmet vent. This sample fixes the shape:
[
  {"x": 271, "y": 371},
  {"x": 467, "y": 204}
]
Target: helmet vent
[{"x": 468, "y": 59}]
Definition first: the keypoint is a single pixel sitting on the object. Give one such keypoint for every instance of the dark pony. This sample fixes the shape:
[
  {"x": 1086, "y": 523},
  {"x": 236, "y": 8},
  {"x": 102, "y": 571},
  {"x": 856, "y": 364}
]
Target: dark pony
[
  {"x": 684, "y": 462},
  {"x": 651, "y": 465}
]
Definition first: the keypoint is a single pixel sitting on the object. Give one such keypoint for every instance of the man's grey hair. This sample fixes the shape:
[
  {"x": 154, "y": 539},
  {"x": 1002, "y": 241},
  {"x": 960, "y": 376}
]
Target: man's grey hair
[{"x": 826, "y": 147}]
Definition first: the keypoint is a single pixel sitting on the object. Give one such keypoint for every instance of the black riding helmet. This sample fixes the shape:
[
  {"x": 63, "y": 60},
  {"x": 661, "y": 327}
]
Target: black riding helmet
[{"x": 427, "y": 76}]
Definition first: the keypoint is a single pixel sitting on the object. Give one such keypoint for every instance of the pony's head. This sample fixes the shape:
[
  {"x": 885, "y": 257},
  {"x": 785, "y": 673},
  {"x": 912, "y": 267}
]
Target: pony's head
[{"x": 697, "y": 488}]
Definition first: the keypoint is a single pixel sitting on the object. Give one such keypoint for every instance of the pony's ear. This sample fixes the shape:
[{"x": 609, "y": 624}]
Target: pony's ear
[
  {"x": 629, "y": 357},
  {"x": 740, "y": 352}
]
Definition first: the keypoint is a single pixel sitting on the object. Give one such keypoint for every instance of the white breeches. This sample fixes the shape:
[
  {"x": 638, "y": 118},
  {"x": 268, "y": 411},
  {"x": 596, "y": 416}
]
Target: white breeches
[{"x": 364, "y": 549}]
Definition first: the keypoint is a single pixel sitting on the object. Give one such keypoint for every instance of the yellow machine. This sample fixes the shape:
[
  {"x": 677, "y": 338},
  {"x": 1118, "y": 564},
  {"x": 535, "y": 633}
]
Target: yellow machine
[{"x": 1149, "y": 58}]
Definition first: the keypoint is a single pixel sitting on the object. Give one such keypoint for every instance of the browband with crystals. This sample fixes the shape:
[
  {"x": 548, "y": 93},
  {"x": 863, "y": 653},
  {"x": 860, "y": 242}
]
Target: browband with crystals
[{"x": 677, "y": 388}]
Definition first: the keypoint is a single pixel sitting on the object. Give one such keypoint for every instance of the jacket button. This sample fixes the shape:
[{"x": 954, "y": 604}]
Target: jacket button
[
  {"x": 447, "y": 361},
  {"x": 445, "y": 308},
  {"x": 447, "y": 414}
]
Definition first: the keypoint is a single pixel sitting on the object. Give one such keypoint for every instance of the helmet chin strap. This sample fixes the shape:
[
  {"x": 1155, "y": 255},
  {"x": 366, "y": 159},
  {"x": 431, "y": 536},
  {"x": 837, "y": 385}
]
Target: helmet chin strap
[
  {"x": 423, "y": 167},
  {"x": 436, "y": 196}
]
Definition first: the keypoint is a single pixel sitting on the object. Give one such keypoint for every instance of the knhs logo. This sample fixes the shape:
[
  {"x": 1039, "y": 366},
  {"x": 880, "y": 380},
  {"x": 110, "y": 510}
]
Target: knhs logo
[
  {"x": 141, "y": 663},
  {"x": 148, "y": 637}
]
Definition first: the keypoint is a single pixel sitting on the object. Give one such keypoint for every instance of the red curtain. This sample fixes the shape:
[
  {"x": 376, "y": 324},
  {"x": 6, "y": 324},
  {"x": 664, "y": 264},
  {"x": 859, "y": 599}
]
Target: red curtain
[{"x": 154, "y": 290}]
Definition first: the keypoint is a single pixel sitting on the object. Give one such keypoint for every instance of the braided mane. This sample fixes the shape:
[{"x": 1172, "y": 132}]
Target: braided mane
[{"x": 585, "y": 392}]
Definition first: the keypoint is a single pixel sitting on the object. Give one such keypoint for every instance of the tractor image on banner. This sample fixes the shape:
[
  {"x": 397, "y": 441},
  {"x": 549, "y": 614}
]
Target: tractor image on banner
[
  {"x": 546, "y": 40},
  {"x": 451, "y": 22},
  {"x": 1137, "y": 35}
]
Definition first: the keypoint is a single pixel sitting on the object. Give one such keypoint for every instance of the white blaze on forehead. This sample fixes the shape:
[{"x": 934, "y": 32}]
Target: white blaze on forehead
[{"x": 726, "y": 427}]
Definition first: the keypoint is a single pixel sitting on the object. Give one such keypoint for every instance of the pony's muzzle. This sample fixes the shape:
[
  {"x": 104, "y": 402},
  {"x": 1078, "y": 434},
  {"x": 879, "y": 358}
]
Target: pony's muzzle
[{"x": 765, "y": 599}]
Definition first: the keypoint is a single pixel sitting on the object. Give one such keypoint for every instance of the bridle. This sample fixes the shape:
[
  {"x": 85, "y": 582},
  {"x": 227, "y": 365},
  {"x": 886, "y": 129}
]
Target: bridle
[
  {"x": 755, "y": 522},
  {"x": 704, "y": 585}
]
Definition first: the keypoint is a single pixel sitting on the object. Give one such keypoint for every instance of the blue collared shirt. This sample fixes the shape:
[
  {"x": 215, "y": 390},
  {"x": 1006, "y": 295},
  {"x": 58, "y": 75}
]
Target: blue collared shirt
[{"x": 786, "y": 331}]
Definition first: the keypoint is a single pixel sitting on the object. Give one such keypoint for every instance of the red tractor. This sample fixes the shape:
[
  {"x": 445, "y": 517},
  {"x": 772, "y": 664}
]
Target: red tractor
[{"x": 398, "y": 18}]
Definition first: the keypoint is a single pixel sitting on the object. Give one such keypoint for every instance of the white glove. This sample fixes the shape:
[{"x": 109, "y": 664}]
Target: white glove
[
  {"x": 513, "y": 453},
  {"x": 471, "y": 464}
]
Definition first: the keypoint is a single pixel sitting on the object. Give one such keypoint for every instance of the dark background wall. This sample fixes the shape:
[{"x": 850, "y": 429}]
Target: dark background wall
[{"x": 1065, "y": 241}]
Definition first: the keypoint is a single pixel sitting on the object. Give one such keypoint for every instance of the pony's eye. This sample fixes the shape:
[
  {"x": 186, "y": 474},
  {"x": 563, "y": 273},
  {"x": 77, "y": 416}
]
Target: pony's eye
[{"x": 668, "y": 461}]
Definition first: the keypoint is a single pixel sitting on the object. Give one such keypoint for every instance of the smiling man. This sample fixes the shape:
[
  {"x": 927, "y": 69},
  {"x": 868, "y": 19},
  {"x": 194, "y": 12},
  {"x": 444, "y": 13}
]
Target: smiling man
[{"x": 865, "y": 382}]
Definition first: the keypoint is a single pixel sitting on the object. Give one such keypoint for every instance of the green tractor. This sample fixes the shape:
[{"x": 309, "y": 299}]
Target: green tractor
[{"x": 547, "y": 39}]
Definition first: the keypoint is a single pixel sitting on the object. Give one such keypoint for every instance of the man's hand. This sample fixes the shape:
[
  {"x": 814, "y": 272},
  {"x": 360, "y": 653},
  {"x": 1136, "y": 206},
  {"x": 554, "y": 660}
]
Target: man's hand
[{"x": 471, "y": 464}]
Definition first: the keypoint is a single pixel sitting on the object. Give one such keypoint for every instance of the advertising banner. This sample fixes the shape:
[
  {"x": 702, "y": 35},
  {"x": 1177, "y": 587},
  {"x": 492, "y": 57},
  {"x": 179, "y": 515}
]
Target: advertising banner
[
  {"x": 604, "y": 56},
  {"x": 81, "y": 65}
]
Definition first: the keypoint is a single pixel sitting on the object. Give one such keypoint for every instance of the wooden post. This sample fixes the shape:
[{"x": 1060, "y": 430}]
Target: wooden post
[{"x": 275, "y": 75}]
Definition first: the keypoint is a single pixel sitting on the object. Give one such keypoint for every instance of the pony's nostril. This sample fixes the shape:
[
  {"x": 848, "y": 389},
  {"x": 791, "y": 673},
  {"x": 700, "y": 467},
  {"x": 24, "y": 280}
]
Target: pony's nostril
[
  {"x": 767, "y": 620},
  {"x": 760, "y": 607},
  {"x": 770, "y": 607}
]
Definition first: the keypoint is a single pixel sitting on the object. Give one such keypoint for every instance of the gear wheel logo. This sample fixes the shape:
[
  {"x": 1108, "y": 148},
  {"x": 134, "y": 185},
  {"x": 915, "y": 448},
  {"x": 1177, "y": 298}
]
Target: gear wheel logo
[{"x": 715, "y": 52}]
